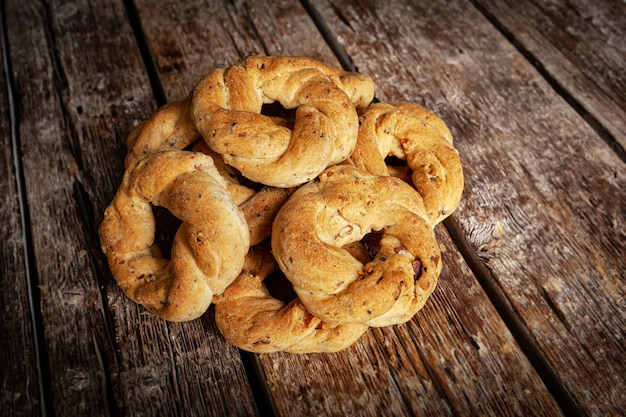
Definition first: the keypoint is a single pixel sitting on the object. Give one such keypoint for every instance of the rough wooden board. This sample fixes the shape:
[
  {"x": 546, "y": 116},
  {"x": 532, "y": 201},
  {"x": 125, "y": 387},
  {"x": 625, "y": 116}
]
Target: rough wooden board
[
  {"x": 46, "y": 156},
  {"x": 580, "y": 45},
  {"x": 82, "y": 85},
  {"x": 361, "y": 378},
  {"x": 561, "y": 267},
  {"x": 20, "y": 394}
]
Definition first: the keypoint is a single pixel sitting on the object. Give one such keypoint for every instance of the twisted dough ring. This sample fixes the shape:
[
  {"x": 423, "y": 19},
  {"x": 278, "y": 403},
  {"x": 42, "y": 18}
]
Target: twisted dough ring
[
  {"x": 252, "y": 319},
  {"x": 226, "y": 108},
  {"x": 311, "y": 233},
  {"x": 209, "y": 247},
  {"x": 415, "y": 134}
]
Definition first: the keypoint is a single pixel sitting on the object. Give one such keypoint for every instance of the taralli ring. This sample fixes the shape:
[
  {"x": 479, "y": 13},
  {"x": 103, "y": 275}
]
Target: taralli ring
[
  {"x": 227, "y": 104},
  {"x": 250, "y": 318},
  {"x": 208, "y": 249},
  {"x": 238, "y": 191},
  {"x": 314, "y": 228},
  {"x": 412, "y": 133}
]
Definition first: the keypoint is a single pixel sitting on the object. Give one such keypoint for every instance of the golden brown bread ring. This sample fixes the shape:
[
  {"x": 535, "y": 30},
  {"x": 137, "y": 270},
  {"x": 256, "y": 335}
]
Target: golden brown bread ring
[
  {"x": 250, "y": 318},
  {"x": 209, "y": 247},
  {"x": 227, "y": 104},
  {"x": 321, "y": 218},
  {"x": 415, "y": 134},
  {"x": 170, "y": 127},
  {"x": 359, "y": 87}
]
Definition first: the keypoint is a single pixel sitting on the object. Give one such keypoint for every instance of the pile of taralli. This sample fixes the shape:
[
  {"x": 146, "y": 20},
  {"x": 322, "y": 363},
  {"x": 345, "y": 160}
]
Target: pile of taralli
[{"x": 284, "y": 165}]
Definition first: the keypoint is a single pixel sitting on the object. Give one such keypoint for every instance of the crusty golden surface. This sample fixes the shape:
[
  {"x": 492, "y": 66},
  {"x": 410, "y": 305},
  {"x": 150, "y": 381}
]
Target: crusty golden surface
[
  {"x": 209, "y": 247},
  {"x": 239, "y": 192},
  {"x": 359, "y": 87},
  {"x": 226, "y": 108},
  {"x": 252, "y": 319},
  {"x": 170, "y": 127},
  {"x": 415, "y": 134},
  {"x": 261, "y": 209},
  {"x": 345, "y": 206}
]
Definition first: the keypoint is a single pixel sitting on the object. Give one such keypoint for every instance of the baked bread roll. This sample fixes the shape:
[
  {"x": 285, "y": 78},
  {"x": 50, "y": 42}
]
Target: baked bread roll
[
  {"x": 170, "y": 127},
  {"x": 227, "y": 104},
  {"x": 346, "y": 205},
  {"x": 250, "y": 318},
  {"x": 306, "y": 191},
  {"x": 209, "y": 247}
]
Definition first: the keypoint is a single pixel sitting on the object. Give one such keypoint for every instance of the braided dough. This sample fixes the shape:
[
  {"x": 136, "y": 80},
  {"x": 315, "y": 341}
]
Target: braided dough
[
  {"x": 414, "y": 134},
  {"x": 238, "y": 191},
  {"x": 170, "y": 127},
  {"x": 208, "y": 249},
  {"x": 250, "y": 318},
  {"x": 227, "y": 104},
  {"x": 346, "y": 204}
]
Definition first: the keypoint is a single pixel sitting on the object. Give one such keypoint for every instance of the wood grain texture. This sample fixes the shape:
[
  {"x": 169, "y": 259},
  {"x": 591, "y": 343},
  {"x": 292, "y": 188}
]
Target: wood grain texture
[
  {"x": 82, "y": 85},
  {"x": 580, "y": 45},
  {"x": 544, "y": 206},
  {"x": 48, "y": 162},
  {"x": 21, "y": 393},
  {"x": 384, "y": 373}
]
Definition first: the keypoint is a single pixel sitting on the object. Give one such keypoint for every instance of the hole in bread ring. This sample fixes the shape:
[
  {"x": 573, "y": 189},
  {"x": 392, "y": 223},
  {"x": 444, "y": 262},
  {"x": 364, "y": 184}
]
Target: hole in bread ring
[
  {"x": 412, "y": 133},
  {"x": 252, "y": 319},
  {"x": 227, "y": 104},
  {"x": 208, "y": 249},
  {"x": 312, "y": 232}
]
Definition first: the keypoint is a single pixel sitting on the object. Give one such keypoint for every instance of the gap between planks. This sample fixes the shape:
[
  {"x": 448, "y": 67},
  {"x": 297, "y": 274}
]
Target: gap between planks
[
  {"x": 512, "y": 321},
  {"x": 158, "y": 90}
]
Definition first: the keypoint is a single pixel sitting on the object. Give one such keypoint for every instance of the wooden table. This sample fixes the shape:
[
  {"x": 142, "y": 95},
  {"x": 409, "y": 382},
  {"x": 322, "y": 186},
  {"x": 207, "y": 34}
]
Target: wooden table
[{"x": 529, "y": 316}]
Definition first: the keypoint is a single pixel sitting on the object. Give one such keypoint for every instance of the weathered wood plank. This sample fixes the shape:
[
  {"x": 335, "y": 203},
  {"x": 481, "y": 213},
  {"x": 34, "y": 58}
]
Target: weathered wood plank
[
  {"x": 19, "y": 379},
  {"x": 580, "y": 44},
  {"x": 81, "y": 86},
  {"x": 544, "y": 207},
  {"x": 384, "y": 373}
]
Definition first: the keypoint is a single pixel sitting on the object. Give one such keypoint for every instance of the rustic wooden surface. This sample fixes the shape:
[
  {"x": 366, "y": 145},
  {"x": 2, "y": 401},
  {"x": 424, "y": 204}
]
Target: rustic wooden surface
[
  {"x": 529, "y": 315},
  {"x": 21, "y": 387},
  {"x": 579, "y": 48}
]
